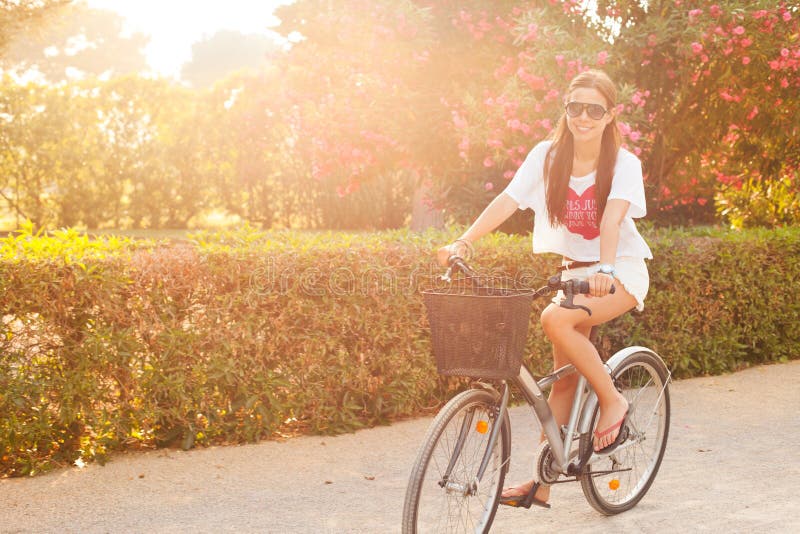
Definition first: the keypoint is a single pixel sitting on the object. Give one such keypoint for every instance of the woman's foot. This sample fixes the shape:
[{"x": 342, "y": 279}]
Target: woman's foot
[
  {"x": 542, "y": 494},
  {"x": 610, "y": 423}
]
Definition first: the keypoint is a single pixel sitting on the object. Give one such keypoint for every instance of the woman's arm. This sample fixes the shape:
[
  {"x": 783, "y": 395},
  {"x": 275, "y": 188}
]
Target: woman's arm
[
  {"x": 600, "y": 284},
  {"x": 498, "y": 210}
]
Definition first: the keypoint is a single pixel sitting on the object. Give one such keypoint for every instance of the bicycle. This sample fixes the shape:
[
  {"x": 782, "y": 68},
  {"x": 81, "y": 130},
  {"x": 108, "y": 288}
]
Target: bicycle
[{"x": 458, "y": 475}]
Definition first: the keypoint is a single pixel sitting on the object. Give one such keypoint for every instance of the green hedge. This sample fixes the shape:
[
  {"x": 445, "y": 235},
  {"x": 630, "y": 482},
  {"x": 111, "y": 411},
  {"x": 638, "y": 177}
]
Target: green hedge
[{"x": 112, "y": 344}]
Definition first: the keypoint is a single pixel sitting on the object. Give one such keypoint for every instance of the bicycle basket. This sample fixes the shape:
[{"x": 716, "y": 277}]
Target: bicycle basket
[{"x": 478, "y": 332}]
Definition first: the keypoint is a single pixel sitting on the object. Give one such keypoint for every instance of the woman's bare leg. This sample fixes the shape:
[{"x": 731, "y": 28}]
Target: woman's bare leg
[
  {"x": 560, "y": 400},
  {"x": 569, "y": 330},
  {"x": 565, "y": 328}
]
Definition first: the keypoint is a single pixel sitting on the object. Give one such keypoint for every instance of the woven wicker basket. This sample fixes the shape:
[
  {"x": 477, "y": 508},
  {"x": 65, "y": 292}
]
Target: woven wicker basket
[{"x": 478, "y": 332}]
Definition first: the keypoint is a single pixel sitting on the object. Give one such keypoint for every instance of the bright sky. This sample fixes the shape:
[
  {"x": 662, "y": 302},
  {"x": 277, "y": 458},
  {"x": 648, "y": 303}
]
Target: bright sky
[{"x": 173, "y": 25}]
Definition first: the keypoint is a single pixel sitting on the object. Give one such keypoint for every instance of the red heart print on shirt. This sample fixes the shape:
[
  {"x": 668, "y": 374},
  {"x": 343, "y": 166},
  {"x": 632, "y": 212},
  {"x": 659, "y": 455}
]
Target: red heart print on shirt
[{"x": 582, "y": 213}]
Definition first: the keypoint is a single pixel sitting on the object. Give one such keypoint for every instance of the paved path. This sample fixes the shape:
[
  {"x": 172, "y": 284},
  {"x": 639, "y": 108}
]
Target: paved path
[{"x": 732, "y": 465}]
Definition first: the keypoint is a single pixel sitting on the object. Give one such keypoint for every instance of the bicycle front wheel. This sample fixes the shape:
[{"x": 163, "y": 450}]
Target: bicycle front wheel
[
  {"x": 618, "y": 482},
  {"x": 444, "y": 494}
]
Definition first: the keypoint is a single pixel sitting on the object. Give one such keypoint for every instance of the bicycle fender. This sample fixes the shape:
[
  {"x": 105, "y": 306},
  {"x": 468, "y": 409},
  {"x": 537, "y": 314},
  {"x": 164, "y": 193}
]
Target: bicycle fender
[{"x": 584, "y": 425}]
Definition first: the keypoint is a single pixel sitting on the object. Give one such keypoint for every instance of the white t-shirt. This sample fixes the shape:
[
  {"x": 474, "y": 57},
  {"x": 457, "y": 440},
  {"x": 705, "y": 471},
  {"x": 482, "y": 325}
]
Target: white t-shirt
[{"x": 579, "y": 238}]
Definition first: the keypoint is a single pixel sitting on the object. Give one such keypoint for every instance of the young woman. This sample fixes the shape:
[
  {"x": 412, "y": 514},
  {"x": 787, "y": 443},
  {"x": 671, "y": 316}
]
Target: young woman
[{"x": 585, "y": 191}]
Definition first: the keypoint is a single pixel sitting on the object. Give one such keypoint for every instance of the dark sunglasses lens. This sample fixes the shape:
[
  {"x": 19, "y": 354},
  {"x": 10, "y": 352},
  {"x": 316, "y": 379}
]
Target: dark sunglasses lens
[
  {"x": 574, "y": 109},
  {"x": 595, "y": 111}
]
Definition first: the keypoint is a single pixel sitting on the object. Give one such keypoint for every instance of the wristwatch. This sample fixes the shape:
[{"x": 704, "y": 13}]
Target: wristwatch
[{"x": 605, "y": 268}]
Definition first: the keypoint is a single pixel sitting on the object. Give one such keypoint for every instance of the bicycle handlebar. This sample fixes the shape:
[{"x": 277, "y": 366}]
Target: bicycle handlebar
[
  {"x": 570, "y": 287},
  {"x": 454, "y": 262}
]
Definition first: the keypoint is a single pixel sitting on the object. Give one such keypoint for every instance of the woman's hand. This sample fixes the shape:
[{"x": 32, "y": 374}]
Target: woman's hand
[
  {"x": 461, "y": 248},
  {"x": 600, "y": 284}
]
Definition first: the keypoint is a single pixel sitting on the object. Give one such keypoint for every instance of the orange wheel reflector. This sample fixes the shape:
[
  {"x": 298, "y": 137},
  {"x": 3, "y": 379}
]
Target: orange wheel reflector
[
  {"x": 482, "y": 426},
  {"x": 613, "y": 484}
]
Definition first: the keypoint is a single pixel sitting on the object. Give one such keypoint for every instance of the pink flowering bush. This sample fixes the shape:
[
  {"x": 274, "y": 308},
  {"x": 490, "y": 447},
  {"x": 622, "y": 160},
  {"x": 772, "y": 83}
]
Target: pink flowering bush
[
  {"x": 456, "y": 93},
  {"x": 382, "y": 110}
]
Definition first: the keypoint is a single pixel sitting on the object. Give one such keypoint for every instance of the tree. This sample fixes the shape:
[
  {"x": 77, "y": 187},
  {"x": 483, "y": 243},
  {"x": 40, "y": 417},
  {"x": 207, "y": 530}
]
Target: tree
[
  {"x": 23, "y": 15},
  {"x": 80, "y": 40},
  {"x": 703, "y": 89},
  {"x": 226, "y": 52}
]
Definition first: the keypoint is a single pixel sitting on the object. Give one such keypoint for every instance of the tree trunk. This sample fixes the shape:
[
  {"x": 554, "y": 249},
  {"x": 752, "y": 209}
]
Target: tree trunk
[{"x": 424, "y": 214}]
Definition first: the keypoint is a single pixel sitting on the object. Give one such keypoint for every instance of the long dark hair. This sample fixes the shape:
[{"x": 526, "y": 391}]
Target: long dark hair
[{"x": 558, "y": 162}]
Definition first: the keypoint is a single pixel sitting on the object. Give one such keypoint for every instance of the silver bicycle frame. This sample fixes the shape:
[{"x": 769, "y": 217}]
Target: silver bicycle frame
[{"x": 583, "y": 405}]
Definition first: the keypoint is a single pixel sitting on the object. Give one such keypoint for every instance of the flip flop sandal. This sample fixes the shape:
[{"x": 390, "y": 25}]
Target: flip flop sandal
[
  {"x": 525, "y": 501},
  {"x": 621, "y": 437}
]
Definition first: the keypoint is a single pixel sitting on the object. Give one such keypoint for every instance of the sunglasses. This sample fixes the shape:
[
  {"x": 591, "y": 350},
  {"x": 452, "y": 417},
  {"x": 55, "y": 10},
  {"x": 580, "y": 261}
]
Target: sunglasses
[{"x": 595, "y": 111}]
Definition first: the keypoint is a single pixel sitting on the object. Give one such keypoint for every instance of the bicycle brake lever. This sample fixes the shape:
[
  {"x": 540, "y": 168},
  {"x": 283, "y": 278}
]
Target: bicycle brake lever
[
  {"x": 568, "y": 300},
  {"x": 447, "y": 276}
]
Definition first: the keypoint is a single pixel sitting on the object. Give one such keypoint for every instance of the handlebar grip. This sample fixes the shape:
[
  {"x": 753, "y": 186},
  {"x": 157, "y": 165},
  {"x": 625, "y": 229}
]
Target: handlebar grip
[
  {"x": 459, "y": 263},
  {"x": 583, "y": 287}
]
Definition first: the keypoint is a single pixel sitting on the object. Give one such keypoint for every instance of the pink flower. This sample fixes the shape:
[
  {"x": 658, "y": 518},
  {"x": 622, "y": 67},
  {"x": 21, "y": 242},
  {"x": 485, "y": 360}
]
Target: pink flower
[
  {"x": 746, "y": 42},
  {"x": 702, "y": 201},
  {"x": 760, "y": 14},
  {"x": 753, "y": 113},
  {"x": 697, "y": 47},
  {"x": 787, "y": 16},
  {"x": 785, "y": 52},
  {"x": 784, "y": 83},
  {"x": 745, "y": 60},
  {"x": 624, "y": 129},
  {"x": 738, "y": 30},
  {"x": 601, "y": 57},
  {"x": 458, "y": 120},
  {"x": 546, "y": 124},
  {"x": 532, "y": 34},
  {"x": 715, "y": 10},
  {"x": 488, "y": 186},
  {"x": 635, "y": 136},
  {"x": 508, "y": 175},
  {"x": 695, "y": 13},
  {"x": 488, "y": 162}
]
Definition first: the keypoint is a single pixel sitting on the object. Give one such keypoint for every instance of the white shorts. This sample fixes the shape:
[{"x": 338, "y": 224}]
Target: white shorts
[{"x": 631, "y": 273}]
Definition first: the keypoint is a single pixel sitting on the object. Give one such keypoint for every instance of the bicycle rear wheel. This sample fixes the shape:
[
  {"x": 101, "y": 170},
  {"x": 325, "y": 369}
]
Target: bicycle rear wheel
[
  {"x": 443, "y": 493},
  {"x": 643, "y": 380}
]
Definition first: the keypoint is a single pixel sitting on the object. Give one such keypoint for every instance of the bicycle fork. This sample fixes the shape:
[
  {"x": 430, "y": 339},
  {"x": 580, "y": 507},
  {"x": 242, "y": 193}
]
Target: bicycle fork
[{"x": 466, "y": 428}]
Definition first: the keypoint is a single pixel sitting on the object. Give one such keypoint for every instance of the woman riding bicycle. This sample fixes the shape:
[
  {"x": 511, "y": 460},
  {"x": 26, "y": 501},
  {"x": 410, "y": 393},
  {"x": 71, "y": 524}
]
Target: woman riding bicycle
[{"x": 585, "y": 191}]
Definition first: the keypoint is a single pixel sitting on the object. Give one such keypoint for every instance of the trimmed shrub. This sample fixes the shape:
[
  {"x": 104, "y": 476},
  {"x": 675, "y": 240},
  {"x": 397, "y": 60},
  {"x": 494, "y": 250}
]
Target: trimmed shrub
[{"x": 112, "y": 344}]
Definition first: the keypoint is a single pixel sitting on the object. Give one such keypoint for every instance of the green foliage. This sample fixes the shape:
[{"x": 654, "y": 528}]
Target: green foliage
[
  {"x": 51, "y": 49},
  {"x": 757, "y": 202},
  {"x": 236, "y": 336},
  {"x": 21, "y": 16}
]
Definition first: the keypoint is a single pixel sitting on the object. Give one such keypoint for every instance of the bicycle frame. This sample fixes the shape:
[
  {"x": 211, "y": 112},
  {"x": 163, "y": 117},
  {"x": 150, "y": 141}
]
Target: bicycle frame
[{"x": 583, "y": 407}]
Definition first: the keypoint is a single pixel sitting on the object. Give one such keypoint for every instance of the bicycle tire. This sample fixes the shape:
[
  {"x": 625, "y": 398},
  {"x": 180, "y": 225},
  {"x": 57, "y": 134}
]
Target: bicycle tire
[
  {"x": 643, "y": 379},
  {"x": 431, "y": 507}
]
